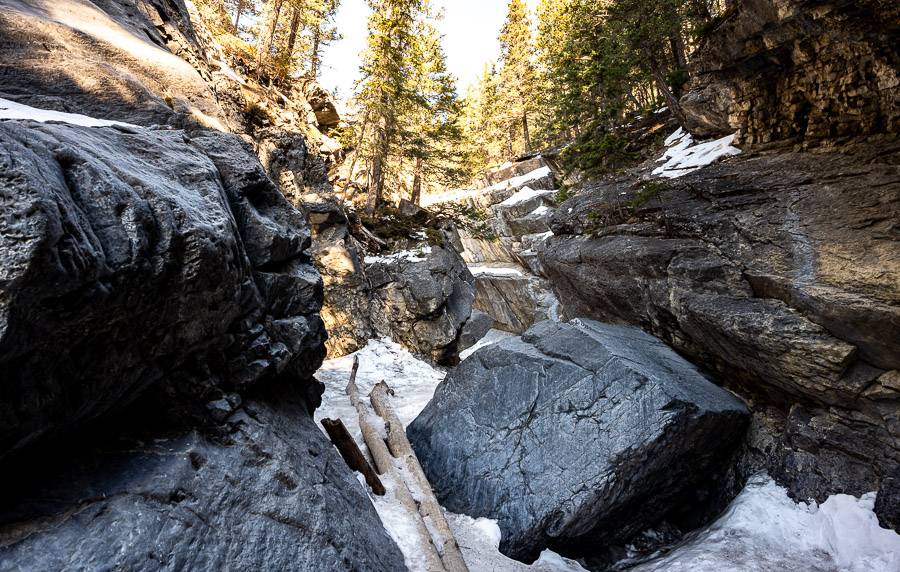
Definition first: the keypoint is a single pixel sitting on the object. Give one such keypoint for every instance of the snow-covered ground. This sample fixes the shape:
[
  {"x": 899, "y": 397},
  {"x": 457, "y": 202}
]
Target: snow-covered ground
[
  {"x": 763, "y": 530},
  {"x": 484, "y": 270},
  {"x": 525, "y": 194},
  {"x": 683, "y": 155},
  {"x": 12, "y": 110}
]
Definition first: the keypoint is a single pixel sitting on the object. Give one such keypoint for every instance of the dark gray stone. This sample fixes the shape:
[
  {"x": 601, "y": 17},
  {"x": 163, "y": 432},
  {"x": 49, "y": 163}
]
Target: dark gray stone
[
  {"x": 475, "y": 328},
  {"x": 270, "y": 494},
  {"x": 422, "y": 301},
  {"x": 141, "y": 259},
  {"x": 573, "y": 436},
  {"x": 780, "y": 273}
]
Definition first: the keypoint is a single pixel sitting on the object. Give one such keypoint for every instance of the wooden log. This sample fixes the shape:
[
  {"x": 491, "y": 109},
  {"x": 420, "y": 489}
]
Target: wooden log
[
  {"x": 354, "y": 458},
  {"x": 384, "y": 463},
  {"x": 429, "y": 508}
]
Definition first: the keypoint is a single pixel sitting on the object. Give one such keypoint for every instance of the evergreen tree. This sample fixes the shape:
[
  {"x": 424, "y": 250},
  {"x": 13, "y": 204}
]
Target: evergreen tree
[
  {"x": 432, "y": 135},
  {"x": 409, "y": 133},
  {"x": 385, "y": 87},
  {"x": 604, "y": 58},
  {"x": 518, "y": 76}
]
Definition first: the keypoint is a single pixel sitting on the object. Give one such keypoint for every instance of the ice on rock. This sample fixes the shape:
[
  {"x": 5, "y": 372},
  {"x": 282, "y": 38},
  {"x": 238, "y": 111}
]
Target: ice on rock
[{"x": 525, "y": 194}]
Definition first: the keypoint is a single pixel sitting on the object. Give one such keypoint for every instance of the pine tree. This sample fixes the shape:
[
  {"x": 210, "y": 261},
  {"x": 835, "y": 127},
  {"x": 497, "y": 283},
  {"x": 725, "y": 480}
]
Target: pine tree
[
  {"x": 431, "y": 133},
  {"x": 518, "y": 76},
  {"x": 385, "y": 87}
]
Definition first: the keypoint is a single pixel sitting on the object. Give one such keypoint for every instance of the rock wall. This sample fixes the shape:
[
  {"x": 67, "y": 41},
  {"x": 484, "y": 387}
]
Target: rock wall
[
  {"x": 808, "y": 70},
  {"x": 159, "y": 309},
  {"x": 778, "y": 272},
  {"x": 420, "y": 296}
]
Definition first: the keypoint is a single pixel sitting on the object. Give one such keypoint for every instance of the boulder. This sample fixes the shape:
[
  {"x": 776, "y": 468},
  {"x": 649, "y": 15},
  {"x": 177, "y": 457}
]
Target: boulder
[
  {"x": 421, "y": 298},
  {"x": 475, "y": 328},
  {"x": 186, "y": 237},
  {"x": 779, "y": 272},
  {"x": 575, "y": 436},
  {"x": 263, "y": 491}
]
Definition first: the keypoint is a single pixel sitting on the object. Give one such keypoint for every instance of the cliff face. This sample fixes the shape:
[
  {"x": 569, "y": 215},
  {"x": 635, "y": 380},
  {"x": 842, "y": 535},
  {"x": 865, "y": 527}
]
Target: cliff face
[
  {"x": 777, "y": 271},
  {"x": 798, "y": 69},
  {"x": 159, "y": 308}
]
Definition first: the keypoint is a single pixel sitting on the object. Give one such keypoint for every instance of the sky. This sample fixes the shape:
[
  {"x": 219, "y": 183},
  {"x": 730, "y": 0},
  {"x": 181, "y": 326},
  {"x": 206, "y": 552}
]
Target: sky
[{"x": 470, "y": 29}]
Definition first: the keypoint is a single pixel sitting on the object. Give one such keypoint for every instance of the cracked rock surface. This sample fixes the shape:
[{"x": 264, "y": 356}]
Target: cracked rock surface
[
  {"x": 266, "y": 491},
  {"x": 573, "y": 436},
  {"x": 780, "y": 273}
]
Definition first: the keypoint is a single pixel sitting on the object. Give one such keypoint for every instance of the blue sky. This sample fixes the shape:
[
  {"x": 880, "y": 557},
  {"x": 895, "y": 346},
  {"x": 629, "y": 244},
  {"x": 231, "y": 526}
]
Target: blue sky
[{"x": 470, "y": 29}]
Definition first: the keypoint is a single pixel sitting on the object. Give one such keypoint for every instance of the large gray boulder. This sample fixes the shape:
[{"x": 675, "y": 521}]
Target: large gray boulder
[
  {"x": 140, "y": 259},
  {"x": 574, "y": 436},
  {"x": 421, "y": 298},
  {"x": 263, "y": 491}
]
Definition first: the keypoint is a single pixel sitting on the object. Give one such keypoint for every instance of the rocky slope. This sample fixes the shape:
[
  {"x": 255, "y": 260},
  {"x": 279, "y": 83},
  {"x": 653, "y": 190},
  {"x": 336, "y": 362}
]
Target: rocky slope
[
  {"x": 160, "y": 309},
  {"x": 776, "y": 270}
]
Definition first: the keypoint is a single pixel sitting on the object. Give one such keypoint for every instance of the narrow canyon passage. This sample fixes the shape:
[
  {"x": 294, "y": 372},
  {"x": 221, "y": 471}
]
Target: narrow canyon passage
[{"x": 577, "y": 285}]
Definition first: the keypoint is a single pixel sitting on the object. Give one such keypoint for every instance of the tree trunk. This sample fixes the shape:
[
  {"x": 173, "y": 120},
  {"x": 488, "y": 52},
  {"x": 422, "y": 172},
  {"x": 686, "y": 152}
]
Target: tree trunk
[
  {"x": 429, "y": 508},
  {"x": 356, "y": 153},
  {"x": 663, "y": 88},
  {"x": 292, "y": 37},
  {"x": 416, "y": 197},
  {"x": 354, "y": 458},
  {"x": 314, "y": 60},
  {"x": 676, "y": 42},
  {"x": 263, "y": 54},
  {"x": 382, "y": 146},
  {"x": 237, "y": 17},
  {"x": 525, "y": 131},
  {"x": 385, "y": 465}
]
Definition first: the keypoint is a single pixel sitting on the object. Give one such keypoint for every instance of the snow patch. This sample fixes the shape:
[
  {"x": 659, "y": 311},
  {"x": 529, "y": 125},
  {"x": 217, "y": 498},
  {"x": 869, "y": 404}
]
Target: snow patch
[
  {"x": 525, "y": 194},
  {"x": 492, "y": 337},
  {"x": 495, "y": 271},
  {"x": 480, "y": 538},
  {"x": 12, "y": 110},
  {"x": 684, "y": 156},
  {"x": 417, "y": 255},
  {"x": 763, "y": 529},
  {"x": 459, "y": 194}
]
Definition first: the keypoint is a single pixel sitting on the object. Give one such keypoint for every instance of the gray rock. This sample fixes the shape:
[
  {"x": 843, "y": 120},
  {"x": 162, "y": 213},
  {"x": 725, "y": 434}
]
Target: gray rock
[
  {"x": 780, "y": 272},
  {"x": 475, "y": 328},
  {"x": 887, "y": 503},
  {"x": 573, "y": 436},
  {"x": 422, "y": 302},
  {"x": 515, "y": 302},
  {"x": 141, "y": 259},
  {"x": 271, "y": 494},
  {"x": 796, "y": 69}
]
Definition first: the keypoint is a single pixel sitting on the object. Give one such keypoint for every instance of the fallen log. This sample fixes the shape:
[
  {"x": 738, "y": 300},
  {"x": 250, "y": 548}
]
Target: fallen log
[
  {"x": 429, "y": 508},
  {"x": 354, "y": 458},
  {"x": 384, "y": 463}
]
